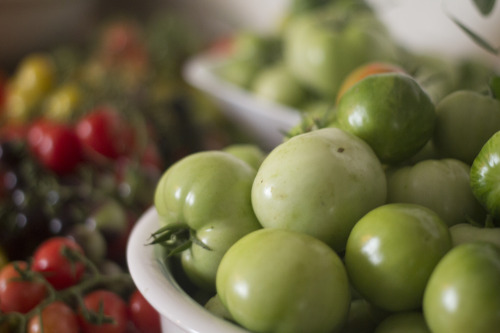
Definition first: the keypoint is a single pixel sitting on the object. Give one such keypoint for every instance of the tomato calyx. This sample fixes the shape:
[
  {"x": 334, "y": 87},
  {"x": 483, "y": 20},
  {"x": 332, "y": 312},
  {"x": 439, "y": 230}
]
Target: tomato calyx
[{"x": 176, "y": 238}]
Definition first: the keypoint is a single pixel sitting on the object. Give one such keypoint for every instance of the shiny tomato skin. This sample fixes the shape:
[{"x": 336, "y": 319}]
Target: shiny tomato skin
[
  {"x": 145, "y": 318},
  {"x": 55, "y": 318},
  {"x": 485, "y": 176},
  {"x": 279, "y": 280},
  {"x": 112, "y": 306},
  {"x": 463, "y": 292},
  {"x": 19, "y": 296},
  {"x": 392, "y": 251},
  {"x": 59, "y": 271},
  {"x": 105, "y": 132},
  {"x": 55, "y": 145},
  {"x": 391, "y": 112}
]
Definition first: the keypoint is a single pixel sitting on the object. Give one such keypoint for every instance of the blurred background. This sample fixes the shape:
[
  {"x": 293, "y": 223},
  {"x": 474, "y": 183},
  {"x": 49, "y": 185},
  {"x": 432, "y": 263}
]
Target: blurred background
[
  {"x": 157, "y": 80},
  {"x": 27, "y": 25}
]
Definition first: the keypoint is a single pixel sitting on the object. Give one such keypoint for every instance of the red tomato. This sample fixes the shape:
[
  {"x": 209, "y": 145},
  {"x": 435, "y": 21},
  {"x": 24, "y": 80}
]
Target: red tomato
[
  {"x": 19, "y": 296},
  {"x": 60, "y": 271},
  {"x": 105, "y": 132},
  {"x": 112, "y": 306},
  {"x": 145, "y": 318},
  {"x": 55, "y": 318},
  {"x": 55, "y": 145}
]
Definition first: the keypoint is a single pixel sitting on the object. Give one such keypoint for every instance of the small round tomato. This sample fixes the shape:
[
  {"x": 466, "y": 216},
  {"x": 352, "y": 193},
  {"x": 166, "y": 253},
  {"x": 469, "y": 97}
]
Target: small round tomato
[
  {"x": 278, "y": 280},
  {"x": 57, "y": 317},
  {"x": 19, "y": 295},
  {"x": 463, "y": 292},
  {"x": 60, "y": 270},
  {"x": 112, "y": 306},
  {"x": 391, "y": 112},
  {"x": 105, "y": 132},
  {"x": 145, "y": 318},
  {"x": 391, "y": 253},
  {"x": 55, "y": 145}
]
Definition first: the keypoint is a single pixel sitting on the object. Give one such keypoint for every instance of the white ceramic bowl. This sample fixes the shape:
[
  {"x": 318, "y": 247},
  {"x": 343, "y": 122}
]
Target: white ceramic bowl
[
  {"x": 265, "y": 121},
  {"x": 179, "y": 312},
  {"x": 29, "y": 25}
]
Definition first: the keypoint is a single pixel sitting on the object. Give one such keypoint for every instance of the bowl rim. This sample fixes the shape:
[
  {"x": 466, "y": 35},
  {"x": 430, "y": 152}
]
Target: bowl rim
[
  {"x": 200, "y": 71},
  {"x": 161, "y": 290}
]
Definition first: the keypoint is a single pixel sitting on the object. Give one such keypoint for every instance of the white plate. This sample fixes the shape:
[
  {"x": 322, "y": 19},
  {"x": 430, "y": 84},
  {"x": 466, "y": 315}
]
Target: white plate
[
  {"x": 266, "y": 122},
  {"x": 179, "y": 312}
]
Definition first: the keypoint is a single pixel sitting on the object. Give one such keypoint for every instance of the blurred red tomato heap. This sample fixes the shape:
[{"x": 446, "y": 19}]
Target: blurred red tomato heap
[
  {"x": 61, "y": 290},
  {"x": 85, "y": 132}
]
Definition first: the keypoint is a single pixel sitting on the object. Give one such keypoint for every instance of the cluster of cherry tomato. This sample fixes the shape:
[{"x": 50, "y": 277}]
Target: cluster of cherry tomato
[
  {"x": 60, "y": 290},
  {"x": 85, "y": 131}
]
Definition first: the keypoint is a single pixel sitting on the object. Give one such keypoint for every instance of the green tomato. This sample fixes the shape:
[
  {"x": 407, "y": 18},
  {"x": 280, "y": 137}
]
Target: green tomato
[
  {"x": 238, "y": 72},
  {"x": 282, "y": 281},
  {"x": 465, "y": 121},
  {"x": 278, "y": 85},
  {"x": 262, "y": 49},
  {"x": 391, "y": 253},
  {"x": 319, "y": 183},
  {"x": 485, "y": 176},
  {"x": 407, "y": 322},
  {"x": 441, "y": 185},
  {"x": 250, "y": 153},
  {"x": 391, "y": 112},
  {"x": 463, "y": 293},
  {"x": 203, "y": 200},
  {"x": 322, "y": 47},
  {"x": 466, "y": 233}
]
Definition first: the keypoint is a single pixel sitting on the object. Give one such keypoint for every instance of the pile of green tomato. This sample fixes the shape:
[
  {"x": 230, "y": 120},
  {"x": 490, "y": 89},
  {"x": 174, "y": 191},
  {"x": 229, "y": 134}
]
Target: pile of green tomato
[
  {"x": 304, "y": 62},
  {"x": 379, "y": 214}
]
